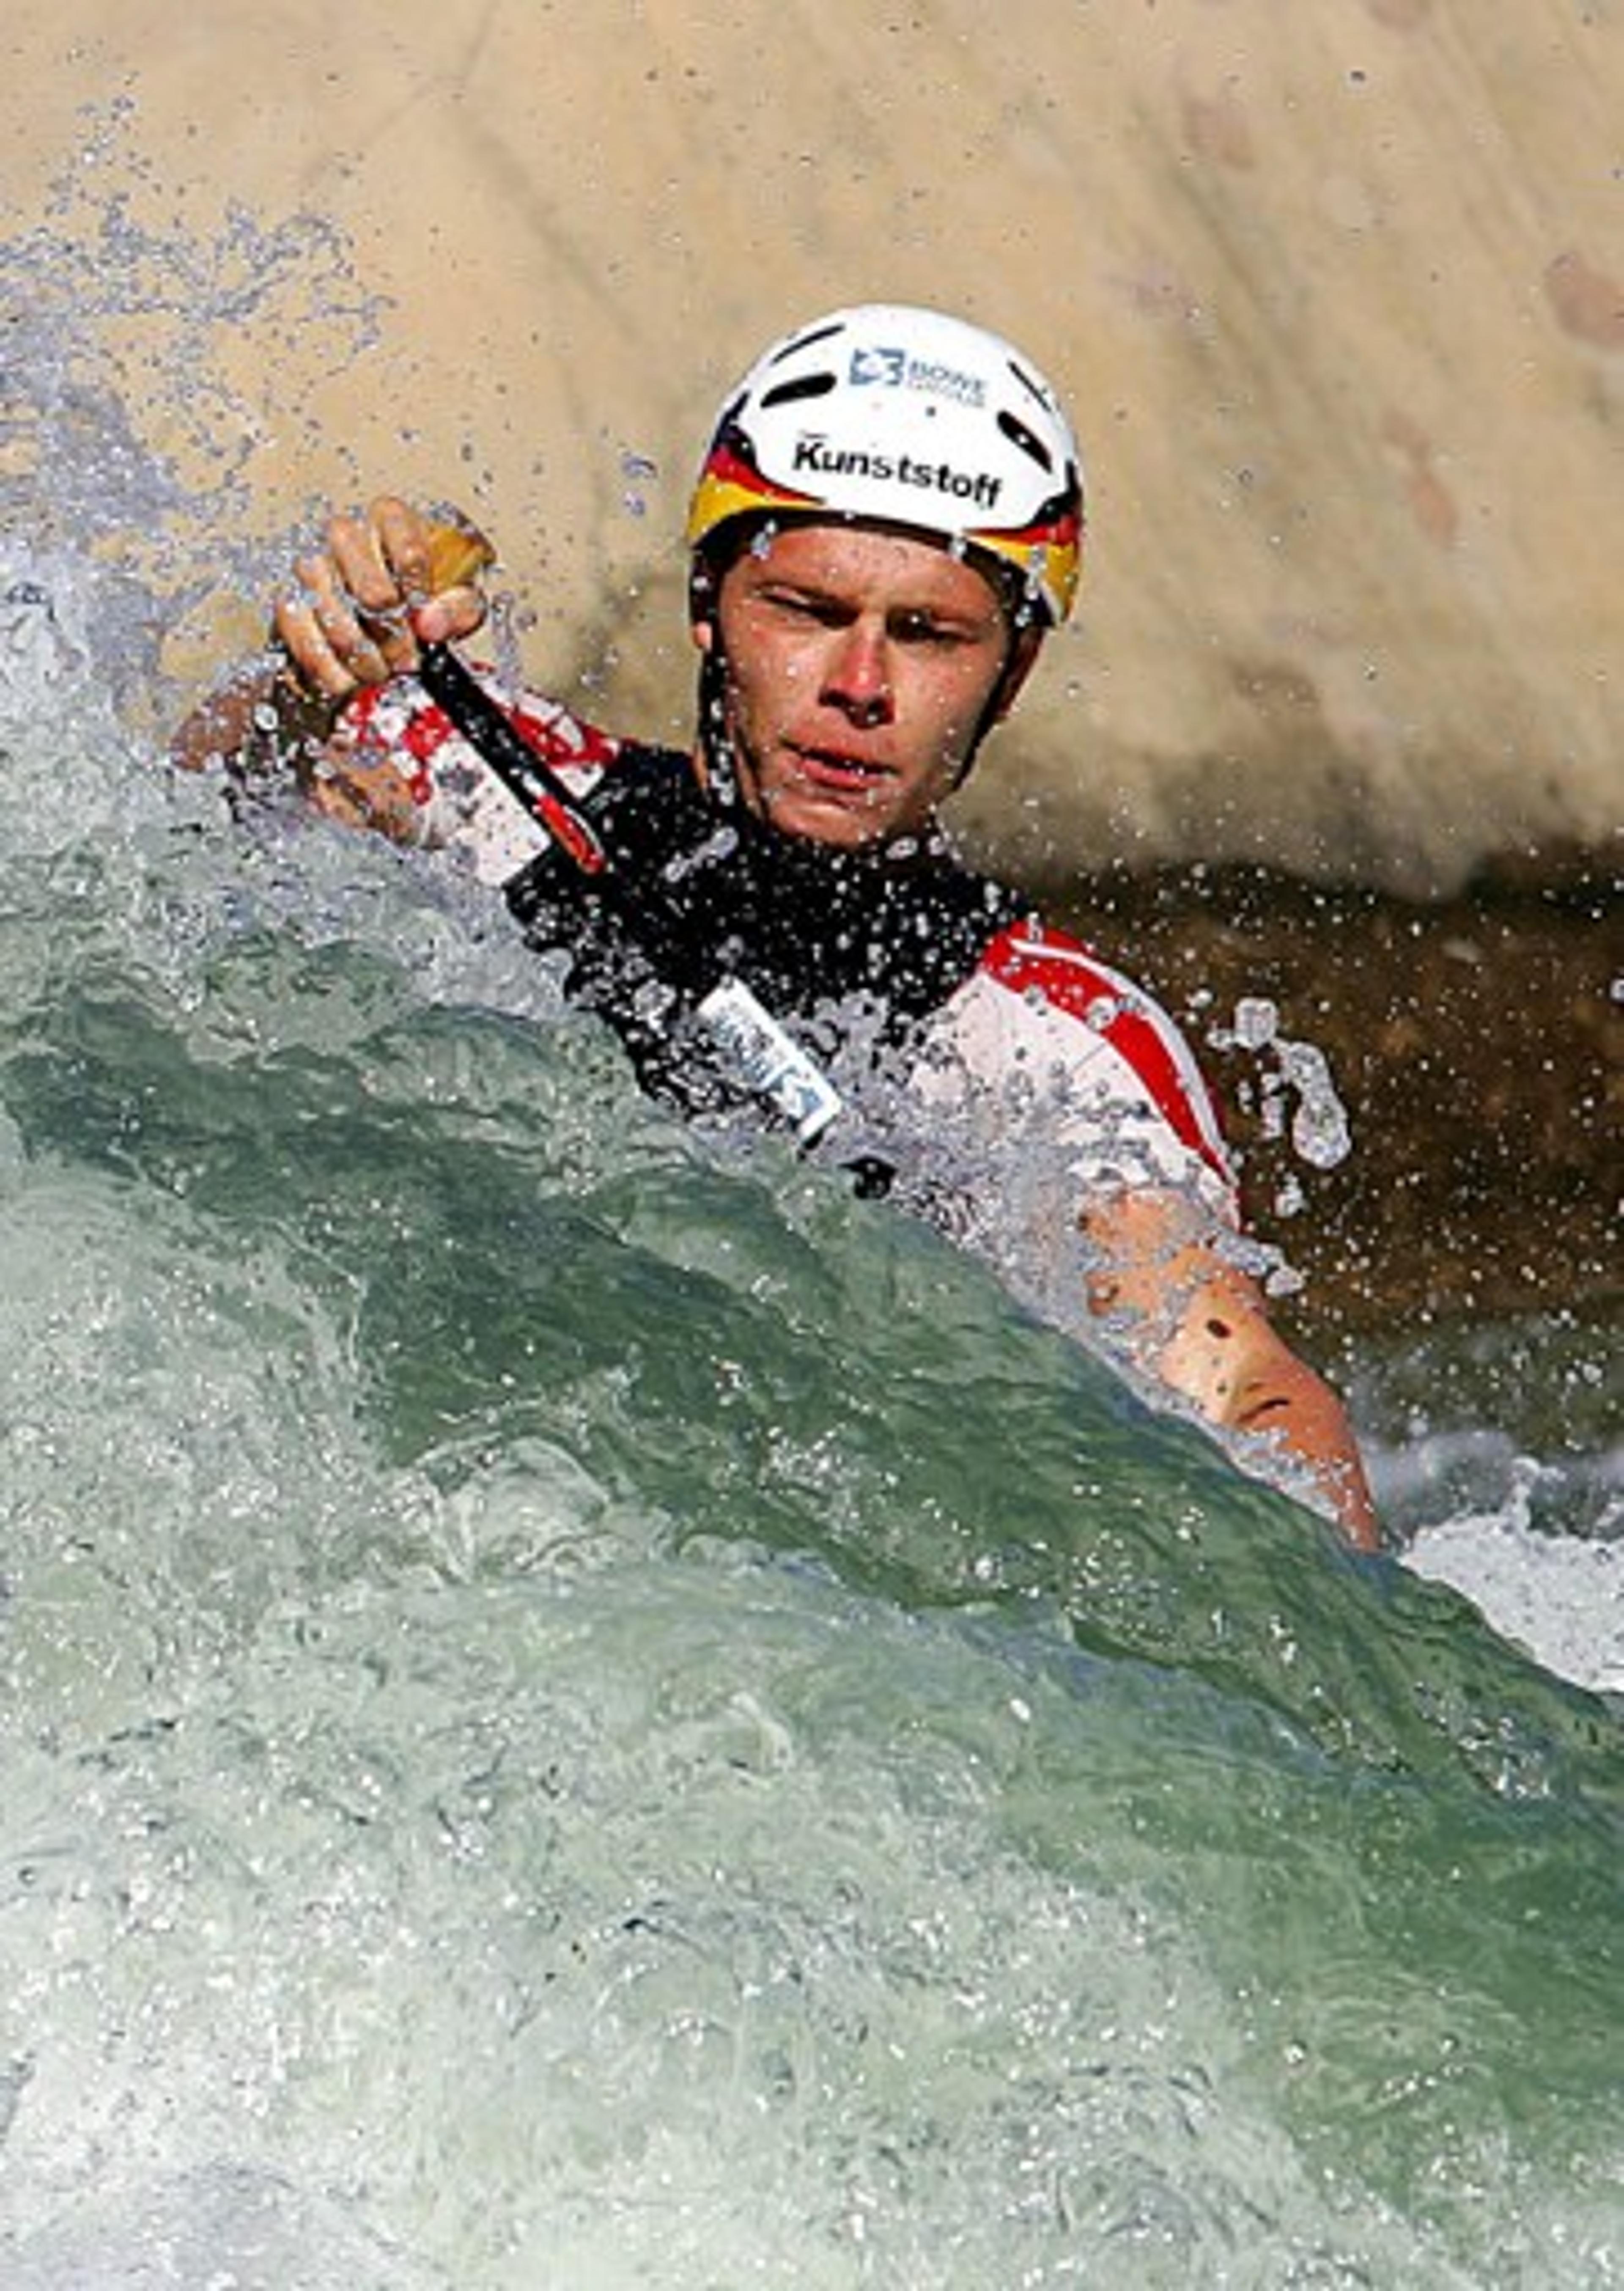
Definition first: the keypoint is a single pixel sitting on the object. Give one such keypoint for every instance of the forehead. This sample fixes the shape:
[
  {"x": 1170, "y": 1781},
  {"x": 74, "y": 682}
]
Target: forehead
[{"x": 871, "y": 563}]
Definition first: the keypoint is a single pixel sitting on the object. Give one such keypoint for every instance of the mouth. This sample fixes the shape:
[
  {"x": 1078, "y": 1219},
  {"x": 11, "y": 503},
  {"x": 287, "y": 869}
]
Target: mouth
[{"x": 838, "y": 771}]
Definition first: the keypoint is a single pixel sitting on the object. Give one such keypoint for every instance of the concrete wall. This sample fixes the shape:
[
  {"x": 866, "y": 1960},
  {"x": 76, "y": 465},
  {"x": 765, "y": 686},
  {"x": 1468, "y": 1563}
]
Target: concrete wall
[{"x": 1338, "y": 294}]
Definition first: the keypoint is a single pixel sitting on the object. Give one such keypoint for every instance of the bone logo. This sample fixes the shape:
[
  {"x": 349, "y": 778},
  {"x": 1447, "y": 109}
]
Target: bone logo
[{"x": 879, "y": 365}]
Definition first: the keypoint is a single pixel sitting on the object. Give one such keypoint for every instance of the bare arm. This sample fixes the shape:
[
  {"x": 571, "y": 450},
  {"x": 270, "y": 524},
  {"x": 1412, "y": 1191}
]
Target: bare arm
[{"x": 1202, "y": 1325}]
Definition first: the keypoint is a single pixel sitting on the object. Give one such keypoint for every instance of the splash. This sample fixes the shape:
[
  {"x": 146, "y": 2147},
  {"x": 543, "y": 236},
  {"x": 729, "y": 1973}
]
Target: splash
[
  {"x": 575, "y": 1709},
  {"x": 150, "y": 374},
  {"x": 1297, "y": 1096}
]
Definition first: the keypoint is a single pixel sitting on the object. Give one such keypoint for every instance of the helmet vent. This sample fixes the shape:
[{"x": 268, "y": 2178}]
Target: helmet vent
[
  {"x": 805, "y": 385},
  {"x": 799, "y": 342},
  {"x": 1018, "y": 434}
]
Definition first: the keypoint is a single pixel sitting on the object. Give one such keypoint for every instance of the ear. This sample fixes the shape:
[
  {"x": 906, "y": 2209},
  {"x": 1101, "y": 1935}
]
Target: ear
[
  {"x": 703, "y": 601},
  {"x": 1022, "y": 658}
]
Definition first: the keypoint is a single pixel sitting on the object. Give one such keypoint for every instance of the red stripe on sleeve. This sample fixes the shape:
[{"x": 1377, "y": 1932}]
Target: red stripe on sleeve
[{"x": 1030, "y": 959}]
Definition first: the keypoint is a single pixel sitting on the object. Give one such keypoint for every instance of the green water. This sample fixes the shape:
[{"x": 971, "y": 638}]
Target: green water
[{"x": 580, "y": 1707}]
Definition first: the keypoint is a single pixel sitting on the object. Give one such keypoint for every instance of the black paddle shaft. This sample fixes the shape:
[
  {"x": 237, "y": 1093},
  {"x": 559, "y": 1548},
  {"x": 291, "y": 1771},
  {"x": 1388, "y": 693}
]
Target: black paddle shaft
[{"x": 646, "y": 919}]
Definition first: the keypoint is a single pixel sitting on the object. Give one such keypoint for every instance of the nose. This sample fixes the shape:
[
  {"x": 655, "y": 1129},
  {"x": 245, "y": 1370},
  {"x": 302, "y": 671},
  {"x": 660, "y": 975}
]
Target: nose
[{"x": 857, "y": 675}]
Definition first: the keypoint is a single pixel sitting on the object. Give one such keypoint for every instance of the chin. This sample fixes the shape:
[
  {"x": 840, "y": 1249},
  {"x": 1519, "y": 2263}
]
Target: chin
[
  {"x": 809, "y": 821},
  {"x": 812, "y": 817}
]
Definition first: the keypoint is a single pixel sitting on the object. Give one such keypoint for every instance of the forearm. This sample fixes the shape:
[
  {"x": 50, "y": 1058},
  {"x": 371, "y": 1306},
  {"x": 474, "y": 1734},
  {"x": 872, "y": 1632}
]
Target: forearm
[
  {"x": 257, "y": 721},
  {"x": 1187, "y": 1315},
  {"x": 1245, "y": 1378}
]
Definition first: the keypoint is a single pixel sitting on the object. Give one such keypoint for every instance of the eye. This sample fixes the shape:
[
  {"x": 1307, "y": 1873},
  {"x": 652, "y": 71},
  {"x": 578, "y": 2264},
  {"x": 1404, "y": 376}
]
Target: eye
[
  {"x": 798, "y": 604},
  {"x": 923, "y": 628}
]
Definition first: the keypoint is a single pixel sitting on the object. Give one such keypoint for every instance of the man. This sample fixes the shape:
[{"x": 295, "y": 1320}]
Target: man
[{"x": 888, "y": 522}]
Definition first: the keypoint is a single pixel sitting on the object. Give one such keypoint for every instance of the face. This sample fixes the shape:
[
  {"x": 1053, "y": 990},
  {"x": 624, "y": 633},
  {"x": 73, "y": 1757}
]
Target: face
[{"x": 860, "y": 664}]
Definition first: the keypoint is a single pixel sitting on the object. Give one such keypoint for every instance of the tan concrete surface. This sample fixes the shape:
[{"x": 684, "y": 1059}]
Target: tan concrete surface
[{"x": 1337, "y": 292}]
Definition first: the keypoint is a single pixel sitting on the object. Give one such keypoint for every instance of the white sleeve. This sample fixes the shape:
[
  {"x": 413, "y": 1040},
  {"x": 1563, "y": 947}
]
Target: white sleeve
[
  {"x": 1030, "y": 1076},
  {"x": 464, "y": 808}
]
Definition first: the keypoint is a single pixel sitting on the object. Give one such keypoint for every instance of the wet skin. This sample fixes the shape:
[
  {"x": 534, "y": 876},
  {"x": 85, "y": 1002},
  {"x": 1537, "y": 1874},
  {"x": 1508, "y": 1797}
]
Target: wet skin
[{"x": 860, "y": 664}]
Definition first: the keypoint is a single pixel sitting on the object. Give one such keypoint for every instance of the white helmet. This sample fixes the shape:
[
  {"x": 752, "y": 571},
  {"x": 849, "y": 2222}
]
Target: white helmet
[{"x": 911, "y": 418}]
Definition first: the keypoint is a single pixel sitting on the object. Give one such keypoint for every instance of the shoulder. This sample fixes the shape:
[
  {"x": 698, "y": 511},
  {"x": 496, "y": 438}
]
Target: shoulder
[{"x": 1043, "y": 1006}]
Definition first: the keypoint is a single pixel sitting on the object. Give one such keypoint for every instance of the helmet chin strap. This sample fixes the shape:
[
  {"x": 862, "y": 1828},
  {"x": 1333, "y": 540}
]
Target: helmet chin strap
[
  {"x": 998, "y": 703},
  {"x": 715, "y": 739}
]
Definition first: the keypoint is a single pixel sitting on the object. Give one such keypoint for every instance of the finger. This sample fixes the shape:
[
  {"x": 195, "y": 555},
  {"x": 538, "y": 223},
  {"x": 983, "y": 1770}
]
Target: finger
[
  {"x": 454, "y": 605},
  {"x": 389, "y": 636},
  {"x": 359, "y": 606},
  {"x": 452, "y": 615},
  {"x": 386, "y": 564},
  {"x": 307, "y": 645},
  {"x": 329, "y": 648},
  {"x": 403, "y": 539},
  {"x": 360, "y": 564}
]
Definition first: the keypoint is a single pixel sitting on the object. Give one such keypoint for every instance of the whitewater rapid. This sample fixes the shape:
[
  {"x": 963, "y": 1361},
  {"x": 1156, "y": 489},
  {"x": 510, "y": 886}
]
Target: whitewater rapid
[{"x": 577, "y": 1705}]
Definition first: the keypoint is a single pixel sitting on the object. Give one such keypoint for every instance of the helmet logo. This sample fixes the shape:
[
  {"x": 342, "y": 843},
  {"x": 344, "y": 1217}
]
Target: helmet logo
[
  {"x": 885, "y": 366},
  {"x": 889, "y": 367},
  {"x": 815, "y": 457}
]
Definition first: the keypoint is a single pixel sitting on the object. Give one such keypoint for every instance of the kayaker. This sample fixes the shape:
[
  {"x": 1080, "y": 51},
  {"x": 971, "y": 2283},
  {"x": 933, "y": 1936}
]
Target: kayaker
[{"x": 887, "y": 523}]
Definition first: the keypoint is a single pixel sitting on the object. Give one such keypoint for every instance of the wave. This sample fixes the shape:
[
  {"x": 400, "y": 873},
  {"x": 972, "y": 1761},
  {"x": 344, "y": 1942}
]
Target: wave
[{"x": 579, "y": 1701}]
